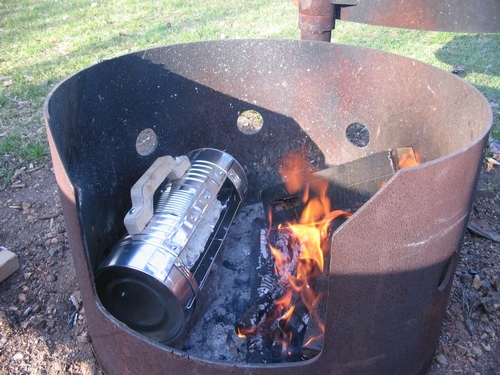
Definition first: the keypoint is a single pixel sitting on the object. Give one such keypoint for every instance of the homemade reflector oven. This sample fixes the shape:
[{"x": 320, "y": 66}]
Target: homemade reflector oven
[{"x": 390, "y": 265}]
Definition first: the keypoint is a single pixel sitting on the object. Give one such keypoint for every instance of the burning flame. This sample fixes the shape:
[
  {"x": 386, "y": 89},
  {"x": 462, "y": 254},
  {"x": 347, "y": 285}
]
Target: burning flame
[
  {"x": 311, "y": 233},
  {"x": 408, "y": 159},
  {"x": 298, "y": 249}
]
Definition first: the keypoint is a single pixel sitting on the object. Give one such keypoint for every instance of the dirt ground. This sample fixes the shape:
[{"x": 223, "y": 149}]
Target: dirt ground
[{"x": 43, "y": 327}]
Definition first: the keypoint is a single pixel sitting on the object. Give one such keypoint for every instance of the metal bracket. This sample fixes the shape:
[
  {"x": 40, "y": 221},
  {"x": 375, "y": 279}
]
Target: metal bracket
[{"x": 345, "y": 3}]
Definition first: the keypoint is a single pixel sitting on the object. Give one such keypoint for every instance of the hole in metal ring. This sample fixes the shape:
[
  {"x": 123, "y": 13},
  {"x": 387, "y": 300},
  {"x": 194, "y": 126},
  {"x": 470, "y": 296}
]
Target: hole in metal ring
[
  {"x": 250, "y": 122},
  {"x": 146, "y": 142},
  {"x": 358, "y": 134}
]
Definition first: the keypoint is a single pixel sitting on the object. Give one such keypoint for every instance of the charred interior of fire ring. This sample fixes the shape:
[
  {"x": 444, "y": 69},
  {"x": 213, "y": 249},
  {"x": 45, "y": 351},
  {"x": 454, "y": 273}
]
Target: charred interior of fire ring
[
  {"x": 317, "y": 233},
  {"x": 154, "y": 279}
]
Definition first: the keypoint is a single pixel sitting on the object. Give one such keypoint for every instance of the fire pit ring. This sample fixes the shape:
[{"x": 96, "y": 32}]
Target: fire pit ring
[{"x": 391, "y": 264}]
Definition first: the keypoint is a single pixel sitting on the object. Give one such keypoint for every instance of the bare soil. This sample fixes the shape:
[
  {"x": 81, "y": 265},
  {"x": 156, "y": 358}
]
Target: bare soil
[{"x": 42, "y": 322}]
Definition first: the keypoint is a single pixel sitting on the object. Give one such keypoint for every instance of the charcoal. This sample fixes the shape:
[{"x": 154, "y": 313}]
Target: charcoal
[
  {"x": 259, "y": 348},
  {"x": 291, "y": 334},
  {"x": 260, "y": 311}
]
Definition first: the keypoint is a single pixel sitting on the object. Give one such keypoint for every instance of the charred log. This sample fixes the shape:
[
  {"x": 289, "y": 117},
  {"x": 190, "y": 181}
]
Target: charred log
[
  {"x": 260, "y": 312},
  {"x": 350, "y": 185},
  {"x": 259, "y": 348},
  {"x": 290, "y": 334}
]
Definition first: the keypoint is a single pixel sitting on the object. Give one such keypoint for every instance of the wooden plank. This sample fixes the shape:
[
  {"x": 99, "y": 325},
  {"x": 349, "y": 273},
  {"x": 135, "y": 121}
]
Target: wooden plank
[
  {"x": 350, "y": 185},
  {"x": 8, "y": 264}
]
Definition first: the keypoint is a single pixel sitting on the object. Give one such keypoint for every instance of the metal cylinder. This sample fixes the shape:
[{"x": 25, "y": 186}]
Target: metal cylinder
[{"x": 151, "y": 280}]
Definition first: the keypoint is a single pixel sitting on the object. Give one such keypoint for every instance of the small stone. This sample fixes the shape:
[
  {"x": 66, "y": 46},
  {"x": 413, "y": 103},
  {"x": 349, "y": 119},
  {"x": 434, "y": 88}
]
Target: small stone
[
  {"x": 496, "y": 282},
  {"x": 52, "y": 251},
  {"x": 50, "y": 278},
  {"x": 476, "y": 351},
  {"x": 441, "y": 359},
  {"x": 84, "y": 338},
  {"x": 484, "y": 319},
  {"x": 486, "y": 284},
  {"x": 476, "y": 283},
  {"x": 26, "y": 206},
  {"x": 486, "y": 347},
  {"x": 76, "y": 299},
  {"x": 465, "y": 278},
  {"x": 40, "y": 324},
  {"x": 491, "y": 302},
  {"x": 54, "y": 241},
  {"x": 18, "y": 356},
  {"x": 473, "y": 272},
  {"x": 471, "y": 360},
  {"x": 22, "y": 297},
  {"x": 27, "y": 275},
  {"x": 461, "y": 349},
  {"x": 26, "y": 289}
]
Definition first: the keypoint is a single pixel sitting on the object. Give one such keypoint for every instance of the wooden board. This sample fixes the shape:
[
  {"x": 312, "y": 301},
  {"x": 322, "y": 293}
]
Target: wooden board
[{"x": 8, "y": 264}]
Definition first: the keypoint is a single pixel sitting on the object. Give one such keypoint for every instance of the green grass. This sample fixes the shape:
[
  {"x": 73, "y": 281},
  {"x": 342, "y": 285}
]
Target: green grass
[{"x": 44, "y": 41}]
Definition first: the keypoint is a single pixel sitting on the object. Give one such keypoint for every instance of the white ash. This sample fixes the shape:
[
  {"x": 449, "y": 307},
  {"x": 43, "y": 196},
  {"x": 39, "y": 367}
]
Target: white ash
[
  {"x": 196, "y": 243},
  {"x": 214, "y": 336},
  {"x": 268, "y": 281}
]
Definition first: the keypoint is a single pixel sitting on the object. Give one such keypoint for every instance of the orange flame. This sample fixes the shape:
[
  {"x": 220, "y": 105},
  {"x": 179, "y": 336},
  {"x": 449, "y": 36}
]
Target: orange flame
[
  {"x": 409, "y": 159},
  {"x": 311, "y": 232},
  {"x": 298, "y": 263}
]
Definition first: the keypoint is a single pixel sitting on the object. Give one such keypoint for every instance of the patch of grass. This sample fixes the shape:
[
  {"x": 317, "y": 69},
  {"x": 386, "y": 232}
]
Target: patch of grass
[
  {"x": 10, "y": 144},
  {"x": 16, "y": 146},
  {"x": 495, "y": 130},
  {"x": 43, "y": 42}
]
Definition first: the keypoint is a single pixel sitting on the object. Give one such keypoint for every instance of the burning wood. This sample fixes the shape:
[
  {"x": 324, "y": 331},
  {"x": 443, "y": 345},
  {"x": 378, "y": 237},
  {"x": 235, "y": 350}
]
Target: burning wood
[
  {"x": 258, "y": 324},
  {"x": 349, "y": 185},
  {"x": 286, "y": 297},
  {"x": 276, "y": 323}
]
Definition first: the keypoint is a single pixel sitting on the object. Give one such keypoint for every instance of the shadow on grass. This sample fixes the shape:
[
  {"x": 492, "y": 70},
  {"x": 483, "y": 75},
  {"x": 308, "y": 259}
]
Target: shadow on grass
[{"x": 475, "y": 53}]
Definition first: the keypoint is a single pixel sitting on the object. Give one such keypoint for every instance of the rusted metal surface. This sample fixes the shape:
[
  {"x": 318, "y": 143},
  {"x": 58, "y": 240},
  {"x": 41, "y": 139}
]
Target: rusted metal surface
[
  {"x": 391, "y": 264},
  {"x": 443, "y": 15},
  {"x": 316, "y": 20}
]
